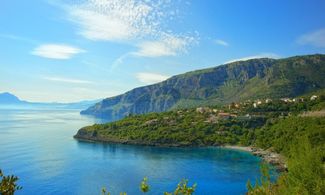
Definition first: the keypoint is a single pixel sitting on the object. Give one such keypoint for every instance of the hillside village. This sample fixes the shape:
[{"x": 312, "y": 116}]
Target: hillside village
[{"x": 256, "y": 108}]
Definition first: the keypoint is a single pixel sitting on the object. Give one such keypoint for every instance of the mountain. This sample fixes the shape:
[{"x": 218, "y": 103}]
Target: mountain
[
  {"x": 8, "y": 100},
  {"x": 237, "y": 81}
]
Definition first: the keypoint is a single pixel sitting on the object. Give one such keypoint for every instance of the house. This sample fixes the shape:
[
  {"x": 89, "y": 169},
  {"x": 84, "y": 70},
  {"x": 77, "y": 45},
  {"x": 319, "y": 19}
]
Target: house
[
  {"x": 268, "y": 100},
  {"x": 313, "y": 97},
  {"x": 256, "y": 103},
  {"x": 203, "y": 110},
  {"x": 151, "y": 122},
  {"x": 287, "y": 100},
  {"x": 212, "y": 119},
  {"x": 225, "y": 115},
  {"x": 245, "y": 117},
  {"x": 233, "y": 105}
]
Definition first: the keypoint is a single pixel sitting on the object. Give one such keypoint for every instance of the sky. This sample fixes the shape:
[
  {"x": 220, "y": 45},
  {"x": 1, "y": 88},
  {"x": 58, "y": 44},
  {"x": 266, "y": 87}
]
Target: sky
[{"x": 72, "y": 50}]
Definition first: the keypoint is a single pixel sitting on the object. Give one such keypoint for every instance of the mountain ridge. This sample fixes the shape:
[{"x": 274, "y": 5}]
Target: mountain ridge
[{"x": 236, "y": 81}]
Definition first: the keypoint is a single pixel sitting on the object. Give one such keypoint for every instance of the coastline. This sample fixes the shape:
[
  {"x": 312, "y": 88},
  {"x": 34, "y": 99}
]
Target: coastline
[{"x": 270, "y": 157}]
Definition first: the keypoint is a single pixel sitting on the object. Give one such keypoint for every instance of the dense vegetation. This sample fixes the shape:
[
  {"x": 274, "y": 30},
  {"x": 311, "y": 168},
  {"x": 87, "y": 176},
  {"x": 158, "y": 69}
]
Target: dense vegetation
[
  {"x": 202, "y": 126},
  {"x": 302, "y": 141},
  {"x": 289, "y": 127},
  {"x": 172, "y": 129},
  {"x": 237, "y": 81}
]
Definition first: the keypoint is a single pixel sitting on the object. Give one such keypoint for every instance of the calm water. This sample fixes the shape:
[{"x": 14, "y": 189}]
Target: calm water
[{"x": 39, "y": 148}]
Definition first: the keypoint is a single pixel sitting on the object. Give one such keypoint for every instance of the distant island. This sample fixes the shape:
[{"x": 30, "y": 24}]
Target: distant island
[{"x": 8, "y": 100}]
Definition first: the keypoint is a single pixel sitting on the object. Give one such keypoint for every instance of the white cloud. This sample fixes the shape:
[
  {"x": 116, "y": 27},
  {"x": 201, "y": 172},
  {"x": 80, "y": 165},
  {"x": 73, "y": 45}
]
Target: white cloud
[
  {"x": 316, "y": 38},
  {"x": 135, "y": 22},
  {"x": 167, "y": 46},
  {"x": 56, "y": 51},
  {"x": 66, "y": 80},
  {"x": 116, "y": 19},
  {"x": 221, "y": 42},
  {"x": 262, "y": 55},
  {"x": 150, "y": 78},
  {"x": 117, "y": 62}
]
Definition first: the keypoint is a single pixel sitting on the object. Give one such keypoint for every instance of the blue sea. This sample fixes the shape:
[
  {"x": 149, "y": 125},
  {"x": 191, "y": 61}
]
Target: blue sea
[{"x": 38, "y": 147}]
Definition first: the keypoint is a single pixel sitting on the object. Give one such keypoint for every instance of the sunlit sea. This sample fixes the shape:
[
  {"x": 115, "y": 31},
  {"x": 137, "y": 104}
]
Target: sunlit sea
[{"x": 38, "y": 147}]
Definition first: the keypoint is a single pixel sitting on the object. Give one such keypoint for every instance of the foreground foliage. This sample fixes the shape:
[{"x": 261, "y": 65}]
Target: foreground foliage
[
  {"x": 181, "y": 189},
  {"x": 8, "y": 184}
]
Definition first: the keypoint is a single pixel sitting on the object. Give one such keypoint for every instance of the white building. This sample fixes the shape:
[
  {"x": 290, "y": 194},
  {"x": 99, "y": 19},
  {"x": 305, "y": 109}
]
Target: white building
[{"x": 314, "y": 97}]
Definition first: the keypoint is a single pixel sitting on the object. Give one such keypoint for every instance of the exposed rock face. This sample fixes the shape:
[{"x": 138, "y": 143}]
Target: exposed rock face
[{"x": 257, "y": 78}]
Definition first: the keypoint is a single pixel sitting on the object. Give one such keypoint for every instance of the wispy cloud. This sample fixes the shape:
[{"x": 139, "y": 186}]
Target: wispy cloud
[
  {"x": 262, "y": 55},
  {"x": 315, "y": 38},
  {"x": 113, "y": 20},
  {"x": 117, "y": 62},
  {"x": 66, "y": 80},
  {"x": 221, "y": 42},
  {"x": 168, "y": 46},
  {"x": 56, "y": 51},
  {"x": 150, "y": 78},
  {"x": 136, "y": 22}
]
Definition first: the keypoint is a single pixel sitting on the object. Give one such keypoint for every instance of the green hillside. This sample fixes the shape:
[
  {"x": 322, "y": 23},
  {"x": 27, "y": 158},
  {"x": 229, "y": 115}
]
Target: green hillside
[
  {"x": 295, "y": 129},
  {"x": 237, "y": 81}
]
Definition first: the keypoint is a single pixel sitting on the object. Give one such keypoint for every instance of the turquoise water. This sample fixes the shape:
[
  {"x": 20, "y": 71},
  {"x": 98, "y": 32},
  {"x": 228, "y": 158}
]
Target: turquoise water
[{"x": 39, "y": 148}]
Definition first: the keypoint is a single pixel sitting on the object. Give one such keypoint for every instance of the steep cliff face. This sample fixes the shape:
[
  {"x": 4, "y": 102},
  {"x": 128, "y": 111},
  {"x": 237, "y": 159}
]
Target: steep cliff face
[{"x": 256, "y": 78}]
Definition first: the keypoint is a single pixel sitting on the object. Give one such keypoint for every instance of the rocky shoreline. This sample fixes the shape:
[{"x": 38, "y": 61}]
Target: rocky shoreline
[{"x": 268, "y": 156}]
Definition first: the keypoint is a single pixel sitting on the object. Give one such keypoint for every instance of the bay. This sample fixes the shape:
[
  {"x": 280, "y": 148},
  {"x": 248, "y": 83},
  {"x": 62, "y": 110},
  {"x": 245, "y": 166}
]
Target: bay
[{"x": 38, "y": 147}]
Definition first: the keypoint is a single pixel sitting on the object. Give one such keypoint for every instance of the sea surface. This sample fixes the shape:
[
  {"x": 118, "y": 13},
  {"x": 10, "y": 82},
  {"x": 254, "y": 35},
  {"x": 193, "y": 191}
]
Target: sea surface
[{"x": 38, "y": 147}]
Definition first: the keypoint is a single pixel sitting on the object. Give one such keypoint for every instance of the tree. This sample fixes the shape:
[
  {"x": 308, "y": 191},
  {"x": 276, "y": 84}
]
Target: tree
[
  {"x": 144, "y": 187},
  {"x": 183, "y": 189}
]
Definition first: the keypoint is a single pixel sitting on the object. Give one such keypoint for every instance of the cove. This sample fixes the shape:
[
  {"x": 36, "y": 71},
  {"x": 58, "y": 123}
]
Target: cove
[{"x": 38, "y": 146}]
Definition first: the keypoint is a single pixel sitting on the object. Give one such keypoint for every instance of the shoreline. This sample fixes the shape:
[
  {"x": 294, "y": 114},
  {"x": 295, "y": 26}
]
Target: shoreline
[{"x": 270, "y": 157}]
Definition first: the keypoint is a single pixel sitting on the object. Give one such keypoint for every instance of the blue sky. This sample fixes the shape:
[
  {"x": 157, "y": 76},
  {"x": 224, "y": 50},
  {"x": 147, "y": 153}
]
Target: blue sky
[{"x": 67, "y": 51}]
